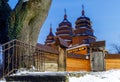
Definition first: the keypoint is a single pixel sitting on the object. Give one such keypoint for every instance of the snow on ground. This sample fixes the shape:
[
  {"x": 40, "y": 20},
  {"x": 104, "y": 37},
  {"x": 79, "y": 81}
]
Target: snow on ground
[
  {"x": 108, "y": 76},
  {"x": 30, "y": 72},
  {"x": 2, "y": 81}
]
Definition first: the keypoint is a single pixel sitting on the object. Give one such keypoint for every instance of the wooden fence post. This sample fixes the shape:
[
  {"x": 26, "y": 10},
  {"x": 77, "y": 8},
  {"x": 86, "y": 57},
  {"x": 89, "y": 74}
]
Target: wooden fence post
[
  {"x": 62, "y": 59},
  {"x": 61, "y": 45}
]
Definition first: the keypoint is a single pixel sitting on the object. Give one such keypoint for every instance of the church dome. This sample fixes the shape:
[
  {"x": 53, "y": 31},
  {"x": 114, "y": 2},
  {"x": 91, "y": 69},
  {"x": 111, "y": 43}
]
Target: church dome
[
  {"x": 83, "y": 18},
  {"x": 83, "y": 29},
  {"x": 65, "y": 29},
  {"x": 83, "y": 21},
  {"x": 65, "y": 22},
  {"x": 50, "y": 38},
  {"x": 65, "y": 26}
]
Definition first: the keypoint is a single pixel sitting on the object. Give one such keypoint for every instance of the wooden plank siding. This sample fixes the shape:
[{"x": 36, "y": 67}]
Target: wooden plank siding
[
  {"x": 112, "y": 61},
  {"x": 75, "y": 64},
  {"x": 112, "y": 64},
  {"x": 50, "y": 61}
]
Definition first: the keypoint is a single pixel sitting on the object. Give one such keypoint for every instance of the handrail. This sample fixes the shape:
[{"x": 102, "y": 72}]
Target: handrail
[
  {"x": 15, "y": 40},
  {"x": 8, "y": 73},
  {"x": 8, "y": 42},
  {"x": 21, "y": 55}
]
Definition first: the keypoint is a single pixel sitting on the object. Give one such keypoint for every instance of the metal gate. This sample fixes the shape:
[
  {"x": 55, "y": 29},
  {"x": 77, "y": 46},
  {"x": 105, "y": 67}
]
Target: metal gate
[{"x": 17, "y": 54}]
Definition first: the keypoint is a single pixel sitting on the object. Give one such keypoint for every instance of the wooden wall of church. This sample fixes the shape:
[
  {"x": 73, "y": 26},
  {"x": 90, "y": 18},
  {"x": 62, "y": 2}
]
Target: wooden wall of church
[{"x": 77, "y": 64}]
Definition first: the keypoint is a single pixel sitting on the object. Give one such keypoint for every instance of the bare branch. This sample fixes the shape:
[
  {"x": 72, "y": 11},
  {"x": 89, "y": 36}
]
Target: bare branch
[{"x": 116, "y": 47}]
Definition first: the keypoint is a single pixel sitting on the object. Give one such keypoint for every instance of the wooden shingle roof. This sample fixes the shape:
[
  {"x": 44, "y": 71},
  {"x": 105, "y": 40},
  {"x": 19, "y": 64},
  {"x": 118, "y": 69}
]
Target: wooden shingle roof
[{"x": 47, "y": 48}]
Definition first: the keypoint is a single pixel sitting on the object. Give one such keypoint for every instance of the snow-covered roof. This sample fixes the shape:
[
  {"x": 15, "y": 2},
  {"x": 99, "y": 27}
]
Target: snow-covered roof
[{"x": 77, "y": 46}]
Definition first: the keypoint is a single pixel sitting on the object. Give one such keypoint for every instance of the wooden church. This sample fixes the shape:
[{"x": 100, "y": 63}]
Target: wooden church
[{"x": 83, "y": 52}]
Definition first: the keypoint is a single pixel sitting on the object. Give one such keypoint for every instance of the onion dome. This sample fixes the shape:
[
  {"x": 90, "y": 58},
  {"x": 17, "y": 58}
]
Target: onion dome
[
  {"x": 65, "y": 21},
  {"x": 50, "y": 37},
  {"x": 65, "y": 29},
  {"x": 83, "y": 28},
  {"x": 83, "y": 21}
]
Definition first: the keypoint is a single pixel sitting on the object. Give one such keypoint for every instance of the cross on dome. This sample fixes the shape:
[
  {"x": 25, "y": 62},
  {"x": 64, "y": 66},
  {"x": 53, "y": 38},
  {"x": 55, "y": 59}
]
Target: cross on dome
[{"x": 83, "y": 12}]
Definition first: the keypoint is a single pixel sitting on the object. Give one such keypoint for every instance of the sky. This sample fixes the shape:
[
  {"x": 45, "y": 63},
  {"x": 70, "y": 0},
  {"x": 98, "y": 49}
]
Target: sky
[{"x": 104, "y": 15}]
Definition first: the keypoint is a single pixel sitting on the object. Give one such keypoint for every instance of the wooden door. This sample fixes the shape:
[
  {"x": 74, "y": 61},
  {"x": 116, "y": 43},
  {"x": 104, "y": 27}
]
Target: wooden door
[{"x": 97, "y": 61}]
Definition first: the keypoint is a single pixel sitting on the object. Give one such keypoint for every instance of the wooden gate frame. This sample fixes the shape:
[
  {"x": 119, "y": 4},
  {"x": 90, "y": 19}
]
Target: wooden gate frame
[{"x": 98, "y": 46}]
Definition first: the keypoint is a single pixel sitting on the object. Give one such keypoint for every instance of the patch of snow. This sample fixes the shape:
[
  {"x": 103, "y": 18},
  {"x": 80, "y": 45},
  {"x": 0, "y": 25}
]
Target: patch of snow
[
  {"x": 77, "y": 46},
  {"x": 107, "y": 76},
  {"x": 40, "y": 73},
  {"x": 2, "y": 80},
  {"x": 25, "y": 72}
]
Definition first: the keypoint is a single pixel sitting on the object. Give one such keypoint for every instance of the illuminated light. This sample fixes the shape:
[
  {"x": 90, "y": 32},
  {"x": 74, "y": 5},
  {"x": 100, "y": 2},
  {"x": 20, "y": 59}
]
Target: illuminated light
[
  {"x": 87, "y": 57},
  {"x": 79, "y": 48},
  {"x": 82, "y": 48}
]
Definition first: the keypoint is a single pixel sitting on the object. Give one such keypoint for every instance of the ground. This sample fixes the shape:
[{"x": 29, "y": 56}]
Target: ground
[{"x": 106, "y": 76}]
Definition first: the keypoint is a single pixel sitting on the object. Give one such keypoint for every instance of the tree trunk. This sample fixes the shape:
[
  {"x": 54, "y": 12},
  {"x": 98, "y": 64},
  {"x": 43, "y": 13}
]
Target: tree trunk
[
  {"x": 26, "y": 20},
  {"x": 23, "y": 22}
]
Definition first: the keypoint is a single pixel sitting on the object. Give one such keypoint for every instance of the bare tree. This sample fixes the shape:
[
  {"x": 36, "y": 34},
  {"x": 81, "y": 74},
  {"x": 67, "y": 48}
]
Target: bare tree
[{"x": 116, "y": 48}]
